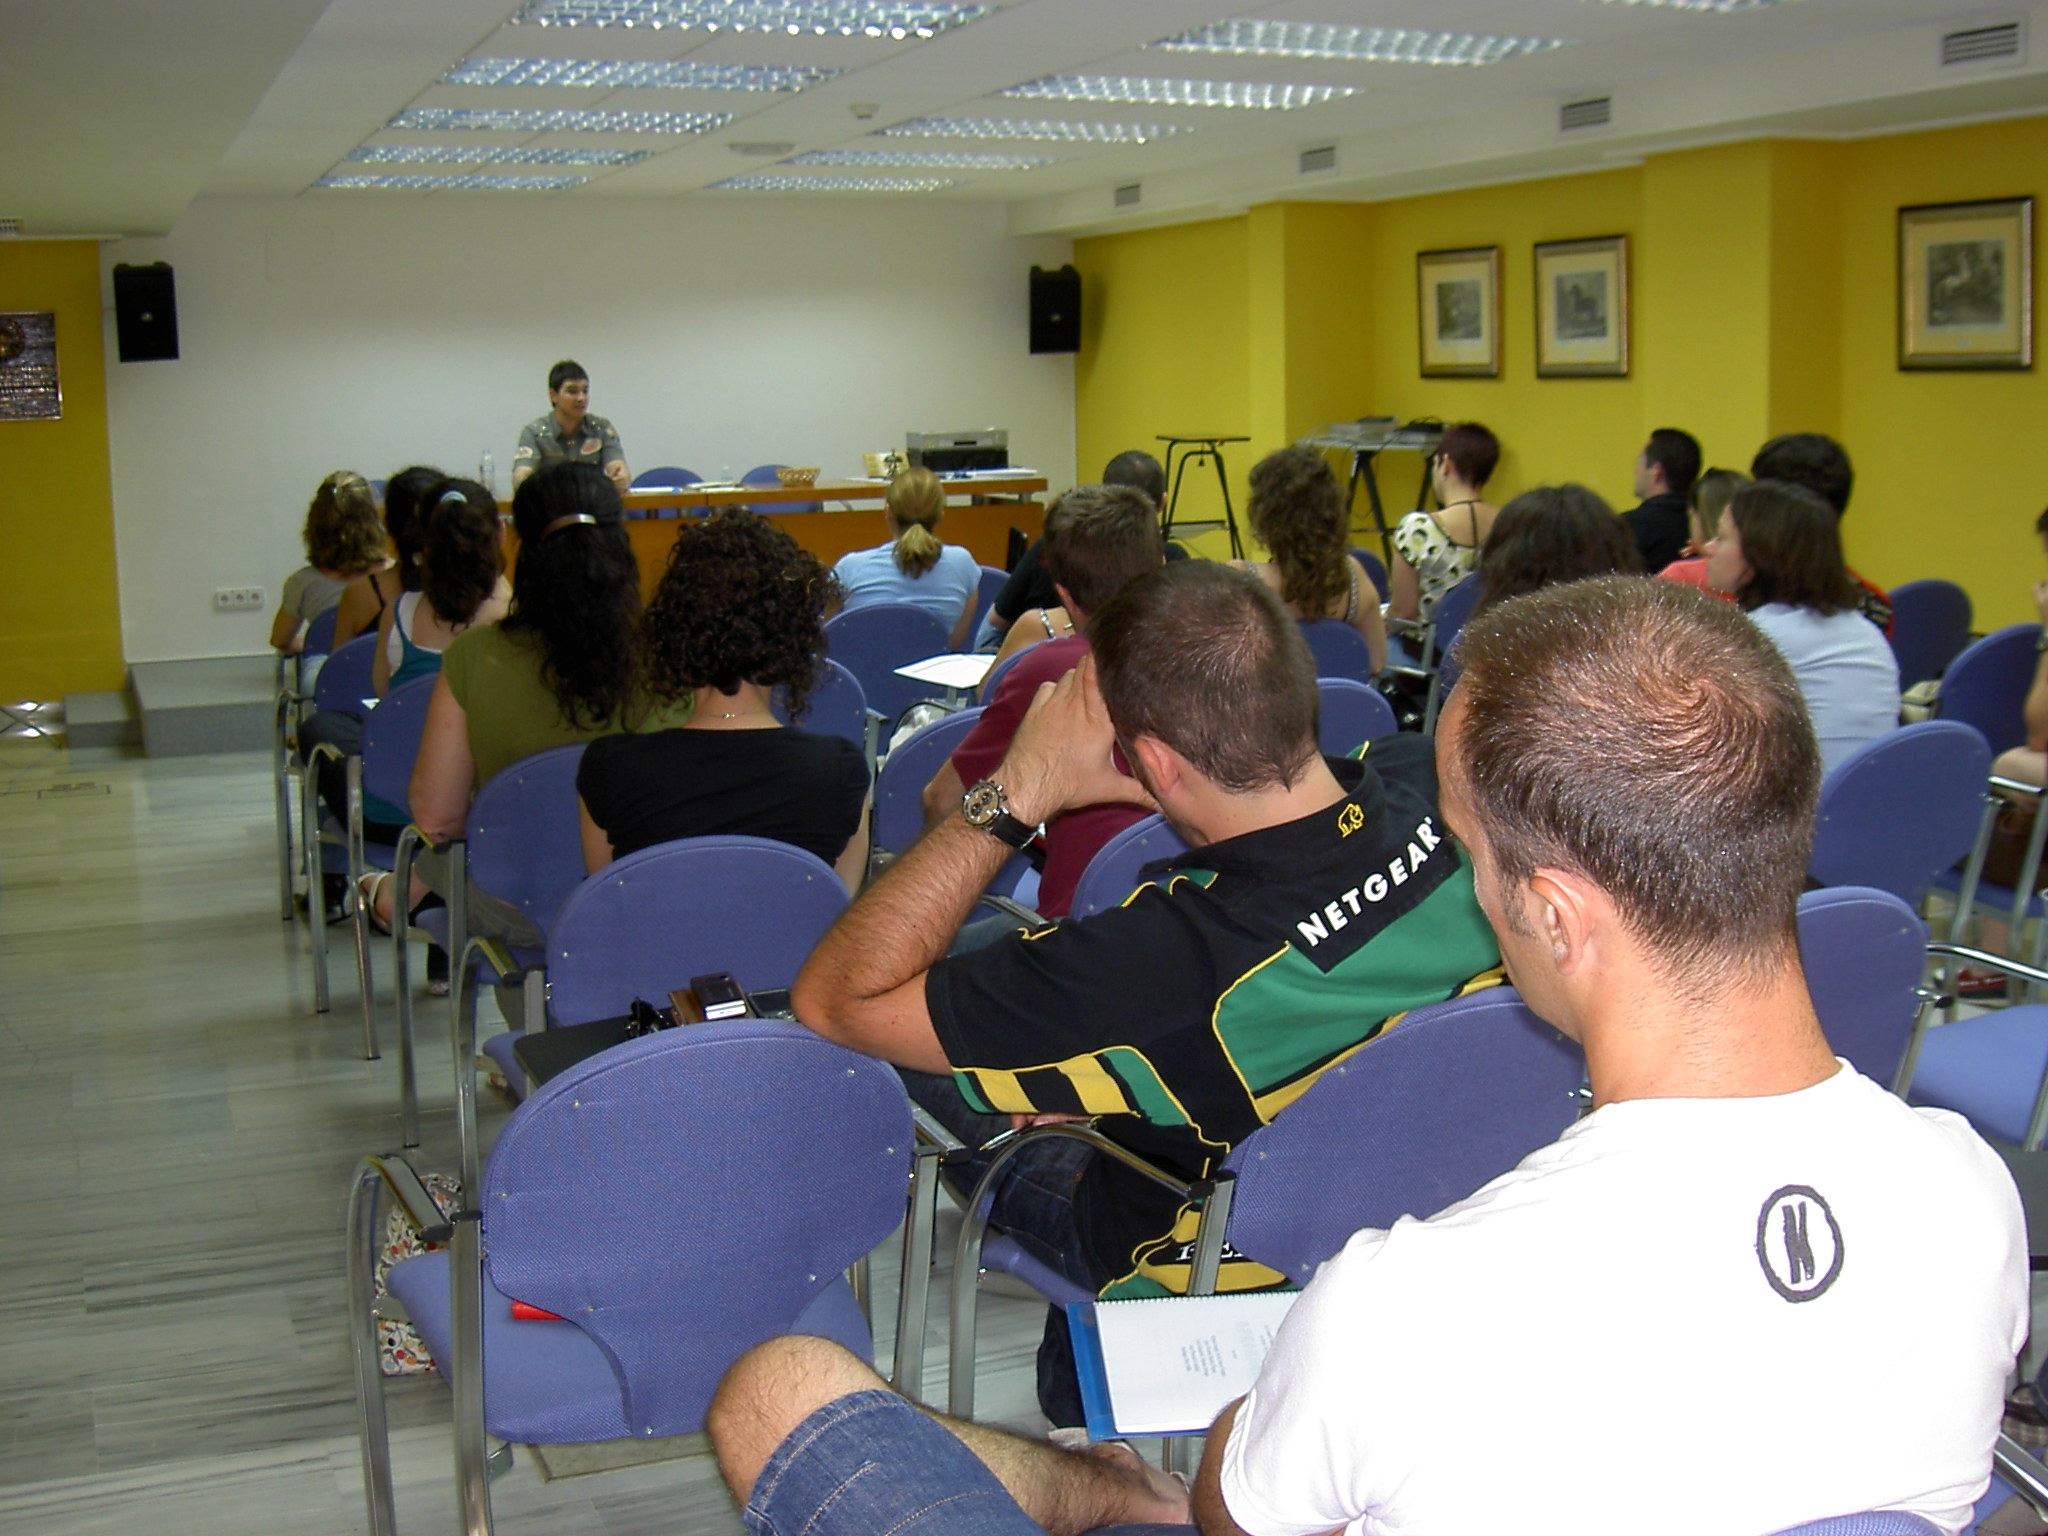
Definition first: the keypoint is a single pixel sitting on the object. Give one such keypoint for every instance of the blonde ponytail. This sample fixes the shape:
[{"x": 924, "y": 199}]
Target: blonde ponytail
[{"x": 916, "y": 503}]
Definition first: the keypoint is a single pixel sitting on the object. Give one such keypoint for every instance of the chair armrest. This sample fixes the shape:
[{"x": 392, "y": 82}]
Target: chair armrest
[
  {"x": 1008, "y": 908},
  {"x": 2023, "y": 1472},
  {"x": 2002, "y": 963},
  {"x": 935, "y": 1136},
  {"x": 413, "y": 1198},
  {"x": 2017, "y": 787}
]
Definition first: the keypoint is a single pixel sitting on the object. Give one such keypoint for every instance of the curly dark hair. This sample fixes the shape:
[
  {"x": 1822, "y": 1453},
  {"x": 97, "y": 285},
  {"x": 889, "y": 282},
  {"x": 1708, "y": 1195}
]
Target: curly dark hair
[
  {"x": 577, "y": 591},
  {"x": 740, "y": 602},
  {"x": 463, "y": 556},
  {"x": 342, "y": 532},
  {"x": 402, "y": 520},
  {"x": 1298, "y": 513},
  {"x": 1553, "y": 534}
]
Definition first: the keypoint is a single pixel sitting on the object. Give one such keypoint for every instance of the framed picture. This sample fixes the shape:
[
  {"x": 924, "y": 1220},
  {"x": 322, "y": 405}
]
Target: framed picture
[
  {"x": 1457, "y": 294},
  {"x": 1966, "y": 285},
  {"x": 1582, "y": 308},
  {"x": 28, "y": 367}
]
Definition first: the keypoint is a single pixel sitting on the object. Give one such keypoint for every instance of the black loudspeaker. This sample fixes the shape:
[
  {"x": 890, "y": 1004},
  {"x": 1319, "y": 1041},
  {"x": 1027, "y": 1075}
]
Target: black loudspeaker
[
  {"x": 146, "y": 313},
  {"x": 1055, "y": 310}
]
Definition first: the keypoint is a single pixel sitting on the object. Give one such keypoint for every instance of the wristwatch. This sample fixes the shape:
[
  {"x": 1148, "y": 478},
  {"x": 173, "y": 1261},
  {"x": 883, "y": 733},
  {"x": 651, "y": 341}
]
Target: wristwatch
[{"x": 987, "y": 811}]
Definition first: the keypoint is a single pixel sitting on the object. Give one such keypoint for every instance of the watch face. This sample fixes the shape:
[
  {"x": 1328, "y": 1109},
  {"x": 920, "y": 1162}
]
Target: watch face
[{"x": 983, "y": 803}]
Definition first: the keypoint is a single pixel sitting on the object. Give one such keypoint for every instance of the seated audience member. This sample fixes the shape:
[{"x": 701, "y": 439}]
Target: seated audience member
[
  {"x": 562, "y": 666},
  {"x": 1218, "y": 989},
  {"x": 1628, "y": 768},
  {"x": 1778, "y": 552},
  {"x": 1298, "y": 512},
  {"x": 740, "y": 613},
  {"x": 343, "y": 540},
  {"x": 1434, "y": 551},
  {"x": 1553, "y": 534},
  {"x": 1703, "y": 504},
  {"x": 1031, "y": 587},
  {"x": 364, "y": 600},
  {"x": 462, "y": 583},
  {"x": 1097, "y": 538},
  {"x": 1822, "y": 465},
  {"x": 1665, "y": 471},
  {"x": 914, "y": 567}
]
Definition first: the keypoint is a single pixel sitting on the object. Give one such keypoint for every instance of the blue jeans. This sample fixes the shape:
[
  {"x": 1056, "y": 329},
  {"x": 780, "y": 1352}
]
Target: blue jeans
[{"x": 869, "y": 1463}]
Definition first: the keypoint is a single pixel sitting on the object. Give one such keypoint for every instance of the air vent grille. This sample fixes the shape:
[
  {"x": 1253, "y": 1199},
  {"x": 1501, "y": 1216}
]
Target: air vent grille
[
  {"x": 761, "y": 147},
  {"x": 10, "y": 229},
  {"x": 1127, "y": 197},
  {"x": 1593, "y": 112},
  {"x": 1981, "y": 45},
  {"x": 1324, "y": 159}
]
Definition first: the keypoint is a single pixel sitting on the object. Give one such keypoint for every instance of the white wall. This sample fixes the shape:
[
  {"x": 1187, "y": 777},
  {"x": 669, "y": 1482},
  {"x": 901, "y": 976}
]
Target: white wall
[{"x": 328, "y": 332}]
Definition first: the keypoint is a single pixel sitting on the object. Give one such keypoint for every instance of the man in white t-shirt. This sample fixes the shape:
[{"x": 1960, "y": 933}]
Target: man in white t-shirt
[{"x": 1751, "y": 1289}]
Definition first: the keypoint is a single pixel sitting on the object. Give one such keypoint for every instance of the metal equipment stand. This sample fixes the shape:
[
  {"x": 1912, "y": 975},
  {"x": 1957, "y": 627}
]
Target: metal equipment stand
[
  {"x": 1192, "y": 449},
  {"x": 1365, "y": 440}
]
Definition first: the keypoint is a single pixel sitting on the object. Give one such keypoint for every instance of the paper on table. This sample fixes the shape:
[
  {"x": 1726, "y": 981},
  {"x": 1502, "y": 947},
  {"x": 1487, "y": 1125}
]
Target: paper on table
[
  {"x": 950, "y": 670},
  {"x": 1173, "y": 1362}
]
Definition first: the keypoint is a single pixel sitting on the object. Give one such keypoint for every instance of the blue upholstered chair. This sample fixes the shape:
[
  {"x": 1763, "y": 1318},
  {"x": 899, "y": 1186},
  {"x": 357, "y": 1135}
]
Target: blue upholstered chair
[
  {"x": 1113, "y": 873},
  {"x": 1352, "y": 713},
  {"x": 1930, "y": 628},
  {"x": 1900, "y": 810},
  {"x": 1864, "y": 952},
  {"x": 873, "y": 640},
  {"x": 1338, "y": 649}
]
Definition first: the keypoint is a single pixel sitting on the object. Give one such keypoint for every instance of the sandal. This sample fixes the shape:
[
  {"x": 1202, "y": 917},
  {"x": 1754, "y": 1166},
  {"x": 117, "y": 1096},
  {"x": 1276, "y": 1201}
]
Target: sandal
[{"x": 367, "y": 886}]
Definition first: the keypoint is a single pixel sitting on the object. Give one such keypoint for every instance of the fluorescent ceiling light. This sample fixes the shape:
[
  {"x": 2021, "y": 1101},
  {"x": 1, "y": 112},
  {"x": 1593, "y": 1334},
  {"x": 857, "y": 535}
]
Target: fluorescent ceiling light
[
  {"x": 821, "y": 18},
  {"x": 544, "y": 120},
  {"x": 773, "y": 183},
  {"x": 1370, "y": 45},
  {"x": 948, "y": 159},
  {"x": 481, "y": 154},
  {"x": 1721, "y": 7},
  {"x": 632, "y": 74},
  {"x": 415, "y": 182},
  {"x": 1143, "y": 91},
  {"x": 1015, "y": 128}
]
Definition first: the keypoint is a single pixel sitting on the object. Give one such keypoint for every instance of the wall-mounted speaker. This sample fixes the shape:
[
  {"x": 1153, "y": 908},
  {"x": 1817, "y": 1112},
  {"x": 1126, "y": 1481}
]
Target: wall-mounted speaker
[
  {"x": 1055, "y": 310},
  {"x": 146, "y": 312}
]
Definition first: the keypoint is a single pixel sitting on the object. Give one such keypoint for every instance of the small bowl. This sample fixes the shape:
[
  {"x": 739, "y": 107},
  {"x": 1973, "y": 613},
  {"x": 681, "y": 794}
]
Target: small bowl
[{"x": 795, "y": 477}]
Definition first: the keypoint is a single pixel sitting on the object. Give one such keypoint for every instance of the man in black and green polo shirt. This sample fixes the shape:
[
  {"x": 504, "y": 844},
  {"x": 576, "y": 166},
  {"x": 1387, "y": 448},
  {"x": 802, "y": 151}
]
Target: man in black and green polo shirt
[{"x": 1320, "y": 900}]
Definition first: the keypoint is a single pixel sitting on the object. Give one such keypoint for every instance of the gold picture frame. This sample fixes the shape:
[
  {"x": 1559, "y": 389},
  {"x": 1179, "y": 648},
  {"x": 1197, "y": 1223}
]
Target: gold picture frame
[
  {"x": 1582, "y": 308},
  {"x": 1966, "y": 285},
  {"x": 1457, "y": 299}
]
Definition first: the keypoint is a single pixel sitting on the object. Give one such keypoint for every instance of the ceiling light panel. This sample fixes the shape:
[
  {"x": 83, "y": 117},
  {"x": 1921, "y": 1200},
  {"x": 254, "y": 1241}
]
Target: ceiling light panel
[
  {"x": 637, "y": 74},
  {"x": 544, "y": 120},
  {"x": 1719, "y": 7},
  {"x": 1366, "y": 45},
  {"x": 386, "y": 182},
  {"x": 1143, "y": 91},
  {"x": 772, "y": 183},
  {"x": 820, "y": 18},
  {"x": 1018, "y": 128},
  {"x": 941, "y": 159},
  {"x": 479, "y": 154}
]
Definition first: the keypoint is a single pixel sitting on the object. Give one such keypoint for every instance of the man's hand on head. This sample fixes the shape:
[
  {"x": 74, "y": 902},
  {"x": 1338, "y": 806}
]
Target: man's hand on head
[{"x": 1061, "y": 757}]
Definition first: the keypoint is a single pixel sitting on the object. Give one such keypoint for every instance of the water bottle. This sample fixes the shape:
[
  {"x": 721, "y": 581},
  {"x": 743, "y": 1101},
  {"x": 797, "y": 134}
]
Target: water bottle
[{"x": 487, "y": 472}]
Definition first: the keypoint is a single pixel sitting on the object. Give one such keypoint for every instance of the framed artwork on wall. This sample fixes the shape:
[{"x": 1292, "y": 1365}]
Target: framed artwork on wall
[
  {"x": 1457, "y": 294},
  {"x": 1582, "y": 308},
  {"x": 1966, "y": 285},
  {"x": 28, "y": 367}
]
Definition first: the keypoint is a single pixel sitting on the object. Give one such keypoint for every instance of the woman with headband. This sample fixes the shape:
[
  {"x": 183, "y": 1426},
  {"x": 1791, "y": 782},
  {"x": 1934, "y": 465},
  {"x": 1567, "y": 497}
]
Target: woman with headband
[{"x": 461, "y": 585}]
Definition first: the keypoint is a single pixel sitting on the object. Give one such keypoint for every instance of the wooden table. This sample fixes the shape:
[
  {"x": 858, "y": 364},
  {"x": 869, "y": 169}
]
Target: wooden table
[{"x": 982, "y": 525}]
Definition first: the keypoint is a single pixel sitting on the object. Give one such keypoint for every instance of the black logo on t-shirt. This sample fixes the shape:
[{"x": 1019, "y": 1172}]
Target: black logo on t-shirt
[{"x": 1798, "y": 1242}]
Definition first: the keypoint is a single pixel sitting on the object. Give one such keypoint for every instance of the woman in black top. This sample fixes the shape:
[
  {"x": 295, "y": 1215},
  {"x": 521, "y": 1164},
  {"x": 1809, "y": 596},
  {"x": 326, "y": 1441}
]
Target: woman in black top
[{"x": 739, "y": 614}]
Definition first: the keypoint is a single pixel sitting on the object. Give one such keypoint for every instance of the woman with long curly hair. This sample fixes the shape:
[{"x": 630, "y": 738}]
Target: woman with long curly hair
[
  {"x": 914, "y": 566},
  {"x": 1552, "y": 534},
  {"x": 739, "y": 615},
  {"x": 1298, "y": 512},
  {"x": 343, "y": 540}
]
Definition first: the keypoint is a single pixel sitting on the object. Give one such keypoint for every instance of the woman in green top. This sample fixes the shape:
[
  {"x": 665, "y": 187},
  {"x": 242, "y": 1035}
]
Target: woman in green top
[{"x": 562, "y": 666}]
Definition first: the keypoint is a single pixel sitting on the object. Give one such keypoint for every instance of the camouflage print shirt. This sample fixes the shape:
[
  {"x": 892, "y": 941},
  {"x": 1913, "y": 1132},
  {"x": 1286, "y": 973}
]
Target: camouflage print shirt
[{"x": 595, "y": 441}]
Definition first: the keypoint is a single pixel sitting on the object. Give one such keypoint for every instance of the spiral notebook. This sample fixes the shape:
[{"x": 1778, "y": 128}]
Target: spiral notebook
[{"x": 1168, "y": 1365}]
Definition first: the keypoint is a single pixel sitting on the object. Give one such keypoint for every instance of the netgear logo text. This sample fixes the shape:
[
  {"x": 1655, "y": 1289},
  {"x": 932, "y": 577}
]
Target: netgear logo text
[{"x": 1318, "y": 926}]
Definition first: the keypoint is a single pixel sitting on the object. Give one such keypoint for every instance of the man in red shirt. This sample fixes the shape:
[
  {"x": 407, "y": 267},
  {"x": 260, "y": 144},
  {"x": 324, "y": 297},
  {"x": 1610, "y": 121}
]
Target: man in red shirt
[{"x": 1097, "y": 537}]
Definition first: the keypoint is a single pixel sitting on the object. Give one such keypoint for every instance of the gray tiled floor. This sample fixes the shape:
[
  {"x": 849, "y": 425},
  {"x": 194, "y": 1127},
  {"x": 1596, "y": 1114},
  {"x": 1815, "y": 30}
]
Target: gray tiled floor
[{"x": 176, "y": 1132}]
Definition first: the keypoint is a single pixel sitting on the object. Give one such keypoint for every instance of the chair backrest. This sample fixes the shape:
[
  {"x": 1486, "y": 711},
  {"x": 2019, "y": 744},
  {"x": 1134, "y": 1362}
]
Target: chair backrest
[
  {"x": 1452, "y": 610},
  {"x": 1374, "y": 567},
  {"x": 1864, "y": 952},
  {"x": 669, "y": 477},
  {"x": 1987, "y": 685},
  {"x": 674, "y": 1197},
  {"x": 837, "y": 706},
  {"x": 1876, "y": 1522},
  {"x": 1001, "y": 670},
  {"x": 344, "y": 682},
  {"x": 765, "y": 474},
  {"x": 526, "y": 836},
  {"x": 992, "y": 581},
  {"x": 1899, "y": 810},
  {"x": 642, "y": 927},
  {"x": 899, "y": 787},
  {"x": 391, "y": 740},
  {"x": 1352, "y": 713},
  {"x": 1338, "y": 649},
  {"x": 1113, "y": 873},
  {"x": 873, "y": 640},
  {"x": 1439, "y": 1103},
  {"x": 1930, "y": 627},
  {"x": 320, "y": 633}
]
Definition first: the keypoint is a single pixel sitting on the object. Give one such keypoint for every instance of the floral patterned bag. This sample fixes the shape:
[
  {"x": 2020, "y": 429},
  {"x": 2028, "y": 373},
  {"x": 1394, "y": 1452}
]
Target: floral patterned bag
[{"x": 399, "y": 1351}]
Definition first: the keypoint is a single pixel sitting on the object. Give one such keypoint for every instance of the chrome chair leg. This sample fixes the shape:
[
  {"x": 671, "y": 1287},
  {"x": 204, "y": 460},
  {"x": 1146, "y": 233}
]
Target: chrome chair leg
[
  {"x": 362, "y": 1335},
  {"x": 401, "y": 981},
  {"x": 357, "y": 865},
  {"x": 316, "y": 900}
]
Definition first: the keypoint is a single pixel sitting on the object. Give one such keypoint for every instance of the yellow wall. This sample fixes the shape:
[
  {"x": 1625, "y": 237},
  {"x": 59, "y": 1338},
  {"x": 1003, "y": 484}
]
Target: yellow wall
[
  {"x": 1763, "y": 289},
  {"x": 60, "y": 621}
]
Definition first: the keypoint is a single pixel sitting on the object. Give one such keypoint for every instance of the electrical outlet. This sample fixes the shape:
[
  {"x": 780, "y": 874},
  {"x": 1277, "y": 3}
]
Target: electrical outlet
[{"x": 237, "y": 599}]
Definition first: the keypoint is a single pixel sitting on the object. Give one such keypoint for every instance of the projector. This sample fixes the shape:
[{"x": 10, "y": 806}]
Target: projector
[{"x": 945, "y": 452}]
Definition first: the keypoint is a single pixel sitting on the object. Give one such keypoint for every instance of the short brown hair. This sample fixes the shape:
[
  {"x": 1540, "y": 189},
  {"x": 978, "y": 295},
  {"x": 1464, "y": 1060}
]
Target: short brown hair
[
  {"x": 1646, "y": 735},
  {"x": 1097, "y": 538},
  {"x": 1473, "y": 451},
  {"x": 1553, "y": 534},
  {"x": 1792, "y": 544},
  {"x": 1204, "y": 658}
]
